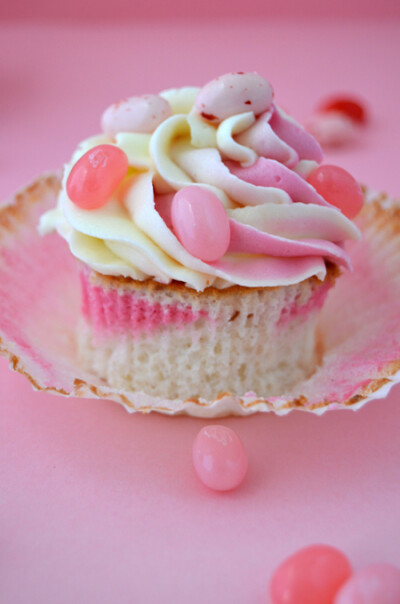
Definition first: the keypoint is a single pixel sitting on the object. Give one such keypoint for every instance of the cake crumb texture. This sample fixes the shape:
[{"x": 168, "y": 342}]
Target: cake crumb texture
[{"x": 177, "y": 343}]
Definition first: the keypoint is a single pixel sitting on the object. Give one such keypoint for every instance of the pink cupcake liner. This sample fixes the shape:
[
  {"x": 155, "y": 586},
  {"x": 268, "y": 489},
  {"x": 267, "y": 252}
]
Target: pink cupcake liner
[
  {"x": 40, "y": 311},
  {"x": 109, "y": 311}
]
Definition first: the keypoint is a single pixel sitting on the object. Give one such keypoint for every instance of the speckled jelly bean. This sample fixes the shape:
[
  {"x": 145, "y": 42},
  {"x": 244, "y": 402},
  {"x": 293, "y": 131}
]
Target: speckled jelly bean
[
  {"x": 233, "y": 93},
  {"x": 140, "y": 114}
]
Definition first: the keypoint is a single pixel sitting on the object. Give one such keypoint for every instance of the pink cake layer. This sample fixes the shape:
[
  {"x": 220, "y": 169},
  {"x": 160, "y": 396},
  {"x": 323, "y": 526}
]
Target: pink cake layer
[
  {"x": 297, "y": 309},
  {"x": 110, "y": 311}
]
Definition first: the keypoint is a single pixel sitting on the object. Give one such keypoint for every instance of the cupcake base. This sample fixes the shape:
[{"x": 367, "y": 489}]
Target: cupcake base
[
  {"x": 170, "y": 341},
  {"x": 40, "y": 304}
]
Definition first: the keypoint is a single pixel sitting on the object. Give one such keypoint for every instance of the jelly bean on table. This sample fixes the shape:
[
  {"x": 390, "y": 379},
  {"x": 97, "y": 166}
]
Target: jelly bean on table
[
  {"x": 313, "y": 575},
  {"x": 376, "y": 584},
  {"x": 350, "y": 106},
  {"x": 219, "y": 458}
]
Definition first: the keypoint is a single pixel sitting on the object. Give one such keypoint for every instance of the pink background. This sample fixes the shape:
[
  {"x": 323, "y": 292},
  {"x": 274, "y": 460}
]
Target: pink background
[
  {"x": 205, "y": 10},
  {"x": 98, "y": 506}
]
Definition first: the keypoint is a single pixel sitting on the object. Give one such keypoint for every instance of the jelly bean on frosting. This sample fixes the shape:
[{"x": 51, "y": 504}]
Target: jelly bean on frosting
[
  {"x": 223, "y": 188},
  {"x": 339, "y": 188},
  {"x": 200, "y": 223},
  {"x": 136, "y": 114},
  {"x": 96, "y": 175},
  {"x": 233, "y": 93}
]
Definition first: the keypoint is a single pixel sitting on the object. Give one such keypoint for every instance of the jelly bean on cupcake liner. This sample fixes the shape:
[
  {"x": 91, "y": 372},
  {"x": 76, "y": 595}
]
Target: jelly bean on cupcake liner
[{"x": 359, "y": 322}]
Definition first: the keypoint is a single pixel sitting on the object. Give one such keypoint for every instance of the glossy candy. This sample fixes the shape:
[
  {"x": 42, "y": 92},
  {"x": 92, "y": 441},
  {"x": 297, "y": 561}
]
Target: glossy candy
[
  {"x": 219, "y": 458},
  {"x": 347, "y": 105},
  {"x": 200, "y": 223},
  {"x": 312, "y": 575},
  {"x": 338, "y": 187},
  {"x": 376, "y": 584},
  {"x": 233, "y": 93},
  {"x": 140, "y": 114},
  {"x": 96, "y": 175}
]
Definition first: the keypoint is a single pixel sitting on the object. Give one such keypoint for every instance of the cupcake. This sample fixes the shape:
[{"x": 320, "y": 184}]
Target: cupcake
[{"x": 208, "y": 235}]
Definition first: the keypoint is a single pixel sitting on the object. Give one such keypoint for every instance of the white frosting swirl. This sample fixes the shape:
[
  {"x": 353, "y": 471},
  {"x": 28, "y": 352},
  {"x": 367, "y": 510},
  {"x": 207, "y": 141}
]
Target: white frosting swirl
[{"x": 129, "y": 237}]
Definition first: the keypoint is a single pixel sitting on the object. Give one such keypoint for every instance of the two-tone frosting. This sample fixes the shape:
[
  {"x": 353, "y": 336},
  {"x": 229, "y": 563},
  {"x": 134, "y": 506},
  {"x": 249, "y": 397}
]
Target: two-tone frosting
[{"x": 216, "y": 192}]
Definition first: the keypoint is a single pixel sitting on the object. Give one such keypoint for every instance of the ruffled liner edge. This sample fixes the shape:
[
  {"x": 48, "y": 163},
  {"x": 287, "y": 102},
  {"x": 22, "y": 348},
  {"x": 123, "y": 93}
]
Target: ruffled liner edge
[{"x": 225, "y": 403}]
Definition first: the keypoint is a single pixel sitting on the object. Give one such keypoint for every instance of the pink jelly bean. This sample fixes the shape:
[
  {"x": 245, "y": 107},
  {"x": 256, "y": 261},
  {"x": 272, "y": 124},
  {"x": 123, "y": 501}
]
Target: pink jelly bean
[
  {"x": 347, "y": 105},
  {"x": 200, "y": 223},
  {"x": 137, "y": 114},
  {"x": 219, "y": 458},
  {"x": 96, "y": 175},
  {"x": 339, "y": 188},
  {"x": 312, "y": 575},
  {"x": 376, "y": 584},
  {"x": 233, "y": 93}
]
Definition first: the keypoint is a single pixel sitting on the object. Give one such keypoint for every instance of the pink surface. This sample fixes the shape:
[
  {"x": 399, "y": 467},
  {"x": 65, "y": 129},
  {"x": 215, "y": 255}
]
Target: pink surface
[
  {"x": 45, "y": 69},
  {"x": 206, "y": 10},
  {"x": 99, "y": 506}
]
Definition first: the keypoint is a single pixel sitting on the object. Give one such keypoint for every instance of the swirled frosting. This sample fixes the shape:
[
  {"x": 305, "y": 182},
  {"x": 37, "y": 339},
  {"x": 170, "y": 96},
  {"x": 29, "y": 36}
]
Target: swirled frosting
[{"x": 232, "y": 139}]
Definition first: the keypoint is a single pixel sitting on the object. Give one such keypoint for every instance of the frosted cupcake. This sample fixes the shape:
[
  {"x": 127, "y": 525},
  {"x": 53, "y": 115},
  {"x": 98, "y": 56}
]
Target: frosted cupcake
[{"x": 208, "y": 237}]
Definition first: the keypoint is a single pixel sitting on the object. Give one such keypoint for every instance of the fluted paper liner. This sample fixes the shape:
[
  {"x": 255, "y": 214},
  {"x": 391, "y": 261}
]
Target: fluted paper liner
[{"x": 40, "y": 310}]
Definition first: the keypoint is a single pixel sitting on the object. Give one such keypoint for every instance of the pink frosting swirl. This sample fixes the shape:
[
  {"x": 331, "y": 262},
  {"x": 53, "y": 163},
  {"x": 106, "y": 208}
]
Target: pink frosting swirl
[{"x": 235, "y": 152}]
